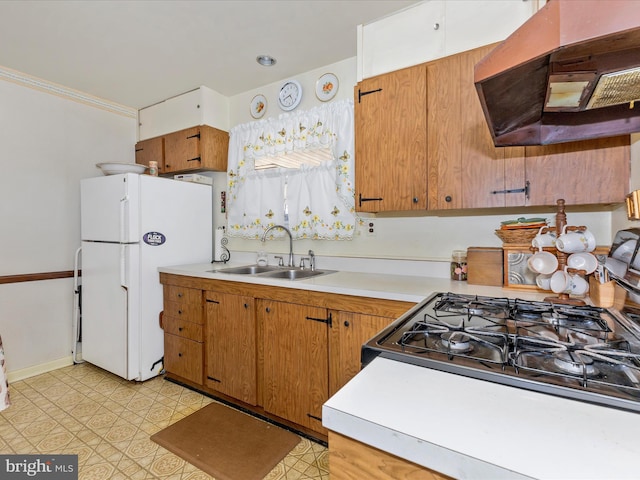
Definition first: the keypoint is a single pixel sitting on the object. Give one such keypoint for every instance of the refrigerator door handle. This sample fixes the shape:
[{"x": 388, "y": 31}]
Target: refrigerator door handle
[
  {"x": 124, "y": 219},
  {"x": 123, "y": 266}
]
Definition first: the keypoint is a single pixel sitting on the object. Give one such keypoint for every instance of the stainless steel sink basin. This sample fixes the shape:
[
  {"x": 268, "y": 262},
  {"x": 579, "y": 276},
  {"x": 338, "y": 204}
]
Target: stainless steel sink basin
[
  {"x": 273, "y": 271},
  {"x": 296, "y": 274},
  {"x": 248, "y": 269}
]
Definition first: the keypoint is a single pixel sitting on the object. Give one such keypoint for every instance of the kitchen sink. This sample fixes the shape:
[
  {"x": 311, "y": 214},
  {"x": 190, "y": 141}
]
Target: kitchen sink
[
  {"x": 297, "y": 274},
  {"x": 248, "y": 269},
  {"x": 272, "y": 271}
]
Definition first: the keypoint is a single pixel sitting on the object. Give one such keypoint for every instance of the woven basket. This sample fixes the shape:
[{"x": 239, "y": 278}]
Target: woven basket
[{"x": 520, "y": 236}]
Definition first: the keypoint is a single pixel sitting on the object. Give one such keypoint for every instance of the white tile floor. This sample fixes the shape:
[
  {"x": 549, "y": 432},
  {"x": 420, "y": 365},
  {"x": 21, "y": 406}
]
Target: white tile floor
[{"x": 107, "y": 422}]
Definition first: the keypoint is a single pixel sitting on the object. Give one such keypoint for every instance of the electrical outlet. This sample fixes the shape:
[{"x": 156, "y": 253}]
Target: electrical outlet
[{"x": 370, "y": 228}]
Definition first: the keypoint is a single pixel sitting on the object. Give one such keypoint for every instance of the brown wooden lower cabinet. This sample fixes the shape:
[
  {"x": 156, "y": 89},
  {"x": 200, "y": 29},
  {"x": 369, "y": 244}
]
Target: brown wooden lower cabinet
[
  {"x": 183, "y": 357},
  {"x": 353, "y": 460},
  {"x": 250, "y": 345}
]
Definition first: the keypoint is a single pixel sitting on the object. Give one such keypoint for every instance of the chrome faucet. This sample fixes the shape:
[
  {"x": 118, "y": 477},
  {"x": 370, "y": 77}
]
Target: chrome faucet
[{"x": 264, "y": 239}]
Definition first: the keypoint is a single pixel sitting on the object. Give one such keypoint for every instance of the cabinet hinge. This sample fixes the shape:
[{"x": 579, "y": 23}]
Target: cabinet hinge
[
  {"x": 314, "y": 417},
  {"x": 197, "y": 135},
  {"x": 524, "y": 190},
  {"x": 364, "y": 199},
  {"x": 212, "y": 301},
  {"x": 213, "y": 379},
  {"x": 362, "y": 94},
  {"x": 328, "y": 320}
]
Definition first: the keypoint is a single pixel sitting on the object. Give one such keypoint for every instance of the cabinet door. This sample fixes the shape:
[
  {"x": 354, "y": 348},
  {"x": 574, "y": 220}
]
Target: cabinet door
[
  {"x": 231, "y": 345},
  {"x": 487, "y": 171},
  {"x": 183, "y": 357},
  {"x": 182, "y": 150},
  {"x": 353, "y": 329},
  {"x": 390, "y": 137},
  {"x": 582, "y": 173},
  {"x": 445, "y": 133},
  {"x": 296, "y": 361},
  {"x": 151, "y": 150}
]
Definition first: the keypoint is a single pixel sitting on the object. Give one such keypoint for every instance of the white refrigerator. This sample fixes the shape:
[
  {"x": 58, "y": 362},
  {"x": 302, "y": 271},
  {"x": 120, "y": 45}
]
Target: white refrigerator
[{"x": 130, "y": 225}]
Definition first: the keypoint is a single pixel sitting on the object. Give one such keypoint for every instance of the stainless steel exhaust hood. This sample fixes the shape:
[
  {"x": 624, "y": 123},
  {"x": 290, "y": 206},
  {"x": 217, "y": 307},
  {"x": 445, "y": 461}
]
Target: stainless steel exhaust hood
[{"x": 571, "y": 72}]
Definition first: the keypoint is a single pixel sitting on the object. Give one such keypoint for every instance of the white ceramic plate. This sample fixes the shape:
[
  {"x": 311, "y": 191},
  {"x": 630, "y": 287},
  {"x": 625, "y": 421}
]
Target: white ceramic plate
[
  {"x": 116, "y": 168},
  {"x": 327, "y": 87},
  {"x": 258, "y": 106}
]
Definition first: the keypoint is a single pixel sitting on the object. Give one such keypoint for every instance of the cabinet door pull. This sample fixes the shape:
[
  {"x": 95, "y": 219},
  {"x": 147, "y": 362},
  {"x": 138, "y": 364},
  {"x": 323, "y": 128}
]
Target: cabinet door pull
[
  {"x": 180, "y": 295},
  {"x": 362, "y": 94},
  {"x": 524, "y": 190},
  {"x": 180, "y": 329},
  {"x": 246, "y": 305},
  {"x": 212, "y": 301},
  {"x": 179, "y": 354},
  {"x": 447, "y": 198},
  {"x": 268, "y": 310},
  {"x": 346, "y": 323},
  {"x": 364, "y": 199},
  {"x": 314, "y": 417},
  {"x": 179, "y": 312},
  {"x": 213, "y": 379},
  {"x": 197, "y": 135},
  {"x": 197, "y": 159},
  {"x": 327, "y": 320}
]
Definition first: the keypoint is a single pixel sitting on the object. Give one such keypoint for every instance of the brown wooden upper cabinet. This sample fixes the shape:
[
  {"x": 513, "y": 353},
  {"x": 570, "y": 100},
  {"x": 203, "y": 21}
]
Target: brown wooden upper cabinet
[
  {"x": 422, "y": 142},
  {"x": 467, "y": 171},
  {"x": 193, "y": 149},
  {"x": 391, "y": 141},
  {"x": 149, "y": 150}
]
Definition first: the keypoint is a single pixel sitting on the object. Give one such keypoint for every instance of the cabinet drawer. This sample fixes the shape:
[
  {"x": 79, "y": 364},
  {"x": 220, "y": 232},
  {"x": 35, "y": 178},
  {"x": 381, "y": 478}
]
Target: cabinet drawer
[
  {"x": 183, "y": 311},
  {"x": 173, "y": 293},
  {"x": 183, "y": 328},
  {"x": 183, "y": 357}
]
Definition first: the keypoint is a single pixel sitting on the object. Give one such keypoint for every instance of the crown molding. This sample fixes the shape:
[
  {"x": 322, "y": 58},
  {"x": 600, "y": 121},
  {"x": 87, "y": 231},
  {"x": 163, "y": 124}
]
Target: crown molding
[{"x": 70, "y": 94}]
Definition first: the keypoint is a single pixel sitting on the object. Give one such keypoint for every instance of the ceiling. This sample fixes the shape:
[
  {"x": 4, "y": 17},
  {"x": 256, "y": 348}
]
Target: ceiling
[{"x": 137, "y": 53}]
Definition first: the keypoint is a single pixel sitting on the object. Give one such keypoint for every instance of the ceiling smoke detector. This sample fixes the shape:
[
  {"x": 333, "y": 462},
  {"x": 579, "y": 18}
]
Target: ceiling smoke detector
[{"x": 266, "y": 60}]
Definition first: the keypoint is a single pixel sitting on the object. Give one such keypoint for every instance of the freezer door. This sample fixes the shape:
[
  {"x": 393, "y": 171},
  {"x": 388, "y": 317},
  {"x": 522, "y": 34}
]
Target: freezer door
[
  {"x": 109, "y": 208},
  {"x": 110, "y": 292}
]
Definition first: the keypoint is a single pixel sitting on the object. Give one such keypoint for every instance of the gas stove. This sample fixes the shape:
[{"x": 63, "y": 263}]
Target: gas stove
[{"x": 580, "y": 352}]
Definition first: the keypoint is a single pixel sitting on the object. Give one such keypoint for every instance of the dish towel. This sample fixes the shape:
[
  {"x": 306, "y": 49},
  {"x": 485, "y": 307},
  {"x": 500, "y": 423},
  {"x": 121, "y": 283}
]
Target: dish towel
[{"x": 4, "y": 384}]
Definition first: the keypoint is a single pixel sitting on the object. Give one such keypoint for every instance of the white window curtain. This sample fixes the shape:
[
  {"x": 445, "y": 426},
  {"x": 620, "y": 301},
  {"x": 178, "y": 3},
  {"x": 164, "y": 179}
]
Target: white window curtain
[{"x": 319, "y": 199}]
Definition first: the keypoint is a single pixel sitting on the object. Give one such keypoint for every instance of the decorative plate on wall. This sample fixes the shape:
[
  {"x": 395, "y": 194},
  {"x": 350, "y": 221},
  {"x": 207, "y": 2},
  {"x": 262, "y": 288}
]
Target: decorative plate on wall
[
  {"x": 258, "y": 106},
  {"x": 327, "y": 87}
]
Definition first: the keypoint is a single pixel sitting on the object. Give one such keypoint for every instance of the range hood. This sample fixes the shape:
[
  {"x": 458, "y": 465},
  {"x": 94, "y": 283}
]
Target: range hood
[{"x": 571, "y": 72}]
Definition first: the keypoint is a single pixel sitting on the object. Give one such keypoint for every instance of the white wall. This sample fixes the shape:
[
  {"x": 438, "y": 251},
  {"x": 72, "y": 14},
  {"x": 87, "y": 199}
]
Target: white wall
[
  {"x": 47, "y": 144},
  {"x": 427, "y": 237}
]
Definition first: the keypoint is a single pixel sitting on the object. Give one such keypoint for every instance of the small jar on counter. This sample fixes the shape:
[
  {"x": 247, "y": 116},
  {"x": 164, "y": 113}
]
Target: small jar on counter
[
  {"x": 459, "y": 265},
  {"x": 153, "y": 168}
]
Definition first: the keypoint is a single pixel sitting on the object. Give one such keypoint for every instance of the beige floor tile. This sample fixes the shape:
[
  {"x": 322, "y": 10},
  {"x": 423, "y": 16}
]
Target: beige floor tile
[{"x": 107, "y": 422}]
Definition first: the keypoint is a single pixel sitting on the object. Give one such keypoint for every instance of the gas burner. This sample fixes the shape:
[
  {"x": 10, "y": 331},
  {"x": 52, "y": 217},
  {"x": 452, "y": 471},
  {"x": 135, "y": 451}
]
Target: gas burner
[
  {"x": 575, "y": 364},
  {"x": 456, "y": 342}
]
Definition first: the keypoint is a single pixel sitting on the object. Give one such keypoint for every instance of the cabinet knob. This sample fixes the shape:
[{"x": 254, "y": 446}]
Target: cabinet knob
[
  {"x": 179, "y": 295},
  {"x": 436, "y": 26},
  {"x": 246, "y": 305},
  {"x": 179, "y": 354},
  {"x": 447, "y": 198},
  {"x": 179, "y": 312},
  {"x": 267, "y": 310},
  {"x": 179, "y": 329},
  {"x": 415, "y": 199},
  {"x": 346, "y": 323}
]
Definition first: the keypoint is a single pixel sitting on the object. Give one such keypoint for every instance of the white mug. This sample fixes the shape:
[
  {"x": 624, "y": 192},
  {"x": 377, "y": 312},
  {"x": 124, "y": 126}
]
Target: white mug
[
  {"x": 544, "y": 281},
  {"x": 547, "y": 239},
  {"x": 574, "y": 242},
  {"x": 583, "y": 261},
  {"x": 564, "y": 282},
  {"x": 543, "y": 262}
]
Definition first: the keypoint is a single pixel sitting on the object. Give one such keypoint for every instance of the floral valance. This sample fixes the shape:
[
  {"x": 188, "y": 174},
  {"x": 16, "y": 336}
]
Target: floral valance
[{"x": 314, "y": 201}]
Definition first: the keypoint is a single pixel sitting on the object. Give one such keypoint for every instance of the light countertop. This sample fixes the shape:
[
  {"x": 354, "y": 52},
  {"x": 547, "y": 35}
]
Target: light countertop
[
  {"x": 408, "y": 288},
  {"x": 473, "y": 429}
]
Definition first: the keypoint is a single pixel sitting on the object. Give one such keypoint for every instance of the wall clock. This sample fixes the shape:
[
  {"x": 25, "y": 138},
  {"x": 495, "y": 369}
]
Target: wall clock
[{"x": 290, "y": 95}]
